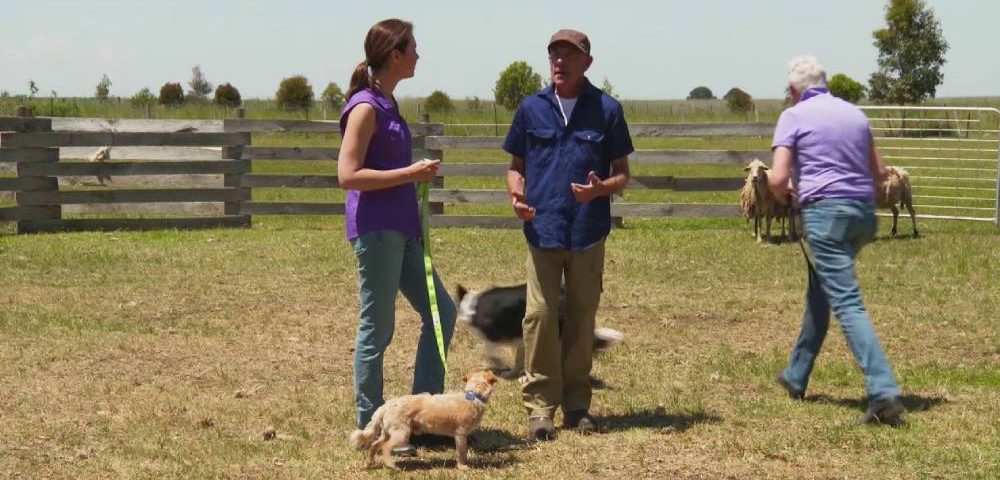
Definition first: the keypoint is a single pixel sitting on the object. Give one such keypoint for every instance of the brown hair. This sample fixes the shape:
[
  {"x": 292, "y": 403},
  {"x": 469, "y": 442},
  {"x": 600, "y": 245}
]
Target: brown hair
[{"x": 382, "y": 39}]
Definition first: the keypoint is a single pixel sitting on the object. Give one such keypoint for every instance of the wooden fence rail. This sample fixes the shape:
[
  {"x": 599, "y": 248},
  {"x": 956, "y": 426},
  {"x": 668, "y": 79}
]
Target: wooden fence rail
[{"x": 205, "y": 167}]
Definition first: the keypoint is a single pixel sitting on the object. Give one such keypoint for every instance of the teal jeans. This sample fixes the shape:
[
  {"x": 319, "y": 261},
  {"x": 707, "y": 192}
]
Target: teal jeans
[
  {"x": 836, "y": 230},
  {"x": 389, "y": 262}
]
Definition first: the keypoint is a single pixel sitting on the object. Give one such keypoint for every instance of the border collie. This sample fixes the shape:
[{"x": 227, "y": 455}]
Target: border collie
[{"x": 496, "y": 313}]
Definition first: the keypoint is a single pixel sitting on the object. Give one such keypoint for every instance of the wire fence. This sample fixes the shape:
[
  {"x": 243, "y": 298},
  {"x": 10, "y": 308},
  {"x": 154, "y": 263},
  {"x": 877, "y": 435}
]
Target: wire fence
[{"x": 951, "y": 153}]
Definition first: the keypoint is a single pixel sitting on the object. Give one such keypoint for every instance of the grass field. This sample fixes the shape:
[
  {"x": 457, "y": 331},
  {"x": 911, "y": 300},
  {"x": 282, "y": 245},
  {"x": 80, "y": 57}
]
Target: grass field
[{"x": 168, "y": 354}]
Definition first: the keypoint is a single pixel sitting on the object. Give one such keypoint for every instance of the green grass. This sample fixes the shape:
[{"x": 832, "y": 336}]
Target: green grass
[{"x": 122, "y": 355}]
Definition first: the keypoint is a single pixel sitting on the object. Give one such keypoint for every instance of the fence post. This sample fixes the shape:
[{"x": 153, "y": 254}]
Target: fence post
[
  {"x": 419, "y": 142},
  {"x": 235, "y": 180},
  {"x": 33, "y": 182}
]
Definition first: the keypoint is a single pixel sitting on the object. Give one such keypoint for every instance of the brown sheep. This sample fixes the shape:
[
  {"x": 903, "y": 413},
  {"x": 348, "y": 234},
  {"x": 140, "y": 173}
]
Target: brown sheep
[{"x": 896, "y": 190}]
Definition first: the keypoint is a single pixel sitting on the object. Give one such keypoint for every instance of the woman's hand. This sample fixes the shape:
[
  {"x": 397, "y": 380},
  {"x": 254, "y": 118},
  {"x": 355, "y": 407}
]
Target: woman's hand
[{"x": 423, "y": 170}]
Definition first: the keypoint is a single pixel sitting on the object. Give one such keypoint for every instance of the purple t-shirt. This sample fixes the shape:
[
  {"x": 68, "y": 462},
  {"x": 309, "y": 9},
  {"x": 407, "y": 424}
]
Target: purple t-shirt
[
  {"x": 831, "y": 142},
  {"x": 392, "y": 208}
]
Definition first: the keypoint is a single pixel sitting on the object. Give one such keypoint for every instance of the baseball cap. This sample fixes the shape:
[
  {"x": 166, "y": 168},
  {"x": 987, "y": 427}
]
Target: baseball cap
[{"x": 573, "y": 37}]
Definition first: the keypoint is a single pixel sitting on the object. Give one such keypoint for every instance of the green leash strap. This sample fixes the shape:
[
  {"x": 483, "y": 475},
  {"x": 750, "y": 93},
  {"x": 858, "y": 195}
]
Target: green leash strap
[{"x": 423, "y": 191}]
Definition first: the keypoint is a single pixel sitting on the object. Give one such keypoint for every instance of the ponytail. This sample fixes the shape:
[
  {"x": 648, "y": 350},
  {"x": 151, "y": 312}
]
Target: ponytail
[{"x": 360, "y": 79}]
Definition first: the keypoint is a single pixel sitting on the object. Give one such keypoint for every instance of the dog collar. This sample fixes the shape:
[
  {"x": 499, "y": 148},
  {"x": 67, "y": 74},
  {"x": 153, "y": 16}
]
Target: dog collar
[{"x": 472, "y": 396}]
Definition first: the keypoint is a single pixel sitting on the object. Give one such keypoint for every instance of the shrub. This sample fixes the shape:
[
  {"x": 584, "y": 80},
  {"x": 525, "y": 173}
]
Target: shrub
[
  {"x": 515, "y": 82},
  {"x": 171, "y": 93},
  {"x": 227, "y": 96},
  {"x": 142, "y": 98},
  {"x": 438, "y": 102},
  {"x": 846, "y": 87},
  {"x": 738, "y": 101},
  {"x": 295, "y": 93},
  {"x": 701, "y": 93},
  {"x": 333, "y": 96},
  {"x": 474, "y": 104}
]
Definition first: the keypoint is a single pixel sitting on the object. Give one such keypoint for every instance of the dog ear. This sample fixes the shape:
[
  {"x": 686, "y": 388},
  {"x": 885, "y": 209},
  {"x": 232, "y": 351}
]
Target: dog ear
[
  {"x": 461, "y": 292},
  {"x": 465, "y": 378},
  {"x": 491, "y": 378}
]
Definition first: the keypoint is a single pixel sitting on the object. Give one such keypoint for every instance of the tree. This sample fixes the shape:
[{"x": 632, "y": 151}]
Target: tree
[
  {"x": 33, "y": 88},
  {"x": 845, "y": 87},
  {"x": 143, "y": 97},
  {"x": 911, "y": 54},
  {"x": 608, "y": 88},
  {"x": 295, "y": 93},
  {"x": 474, "y": 104},
  {"x": 515, "y": 82},
  {"x": 227, "y": 96},
  {"x": 701, "y": 93},
  {"x": 333, "y": 96},
  {"x": 103, "y": 88},
  {"x": 171, "y": 93},
  {"x": 738, "y": 100},
  {"x": 438, "y": 102},
  {"x": 200, "y": 88}
]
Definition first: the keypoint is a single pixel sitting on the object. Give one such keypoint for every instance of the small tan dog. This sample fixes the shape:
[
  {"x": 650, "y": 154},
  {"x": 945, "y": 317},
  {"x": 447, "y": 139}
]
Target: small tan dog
[{"x": 452, "y": 414}]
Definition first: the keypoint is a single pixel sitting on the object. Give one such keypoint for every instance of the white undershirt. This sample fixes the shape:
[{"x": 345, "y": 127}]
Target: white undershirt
[{"x": 566, "y": 106}]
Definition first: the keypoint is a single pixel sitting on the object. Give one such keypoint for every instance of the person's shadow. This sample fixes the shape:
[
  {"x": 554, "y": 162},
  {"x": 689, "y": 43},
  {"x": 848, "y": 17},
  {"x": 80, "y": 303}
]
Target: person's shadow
[
  {"x": 658, "y": 419},
  {"x": 913, "y": 403}
]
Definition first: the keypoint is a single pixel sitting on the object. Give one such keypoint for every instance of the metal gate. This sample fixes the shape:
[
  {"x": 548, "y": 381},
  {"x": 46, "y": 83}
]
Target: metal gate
[{"x": 951, "y": 153}]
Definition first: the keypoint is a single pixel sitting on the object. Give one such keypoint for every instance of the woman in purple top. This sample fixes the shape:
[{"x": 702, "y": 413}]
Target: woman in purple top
[
  {"x": 382, "y": 219},
  {"x": 825, "y": 146}
]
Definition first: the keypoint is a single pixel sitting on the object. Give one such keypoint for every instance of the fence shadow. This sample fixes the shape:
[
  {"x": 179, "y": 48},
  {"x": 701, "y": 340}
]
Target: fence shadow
[{"x": 655, "y": 419}]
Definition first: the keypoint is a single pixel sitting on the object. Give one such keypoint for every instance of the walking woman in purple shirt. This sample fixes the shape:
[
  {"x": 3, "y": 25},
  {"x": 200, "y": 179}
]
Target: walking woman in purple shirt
[
  {"x": 382, "y": 218},
  {"x": 825, "y": 145}
]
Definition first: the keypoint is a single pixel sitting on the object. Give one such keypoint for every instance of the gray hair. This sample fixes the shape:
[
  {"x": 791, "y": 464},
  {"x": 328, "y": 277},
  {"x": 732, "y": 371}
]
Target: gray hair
[{"x": 805, "y": 72}]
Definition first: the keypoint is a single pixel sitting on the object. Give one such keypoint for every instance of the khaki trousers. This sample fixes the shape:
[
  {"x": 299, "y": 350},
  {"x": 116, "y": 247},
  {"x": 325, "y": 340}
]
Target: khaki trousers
[{"x": 557, "y": 360}]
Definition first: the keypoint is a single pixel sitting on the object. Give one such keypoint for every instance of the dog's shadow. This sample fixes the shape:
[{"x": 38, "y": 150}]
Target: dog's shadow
[
  {"x": 492, "y": 440},
  {"x": 475, "y": 462},
  {"x": 913, "y": 403},
  {"x": 897, "y": 238},
  {"x": 657, "y": 419}
]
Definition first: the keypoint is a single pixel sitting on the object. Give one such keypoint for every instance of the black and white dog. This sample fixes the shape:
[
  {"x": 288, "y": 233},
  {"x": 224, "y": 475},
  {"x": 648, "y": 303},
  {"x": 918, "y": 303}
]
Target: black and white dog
[{"x": 496, "y": 313}]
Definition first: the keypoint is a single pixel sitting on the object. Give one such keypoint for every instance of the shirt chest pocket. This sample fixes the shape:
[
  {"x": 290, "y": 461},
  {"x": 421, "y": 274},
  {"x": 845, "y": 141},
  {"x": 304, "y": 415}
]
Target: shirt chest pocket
[{"x": 590, "y": 143}]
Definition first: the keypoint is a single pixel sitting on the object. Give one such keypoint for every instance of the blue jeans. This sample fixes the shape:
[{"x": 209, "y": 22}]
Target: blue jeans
[
  {"x": 389, "y": 262},
  {"x": 836, "y": 230}
]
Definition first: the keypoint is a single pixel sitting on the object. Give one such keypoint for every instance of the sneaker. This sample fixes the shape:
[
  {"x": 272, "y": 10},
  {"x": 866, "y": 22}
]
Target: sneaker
[
  {"x": 404, "y": 450},
  {"x": 541, "y": 428},
  {"x": 792, "y": 392},
  {"x": 580, "y": 420},
  {"x": 886, "y": 412}
]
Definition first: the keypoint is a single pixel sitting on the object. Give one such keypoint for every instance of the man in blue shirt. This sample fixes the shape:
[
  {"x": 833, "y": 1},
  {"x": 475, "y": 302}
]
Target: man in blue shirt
[{"x": 569, "y": 147}]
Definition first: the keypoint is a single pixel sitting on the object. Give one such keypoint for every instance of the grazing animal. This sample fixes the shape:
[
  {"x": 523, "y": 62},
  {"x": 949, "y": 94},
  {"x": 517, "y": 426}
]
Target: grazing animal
[
  {"x": 759, "y": 203},
  {"x": 897, "y": 190},
  {"x": 496, "y": 315},
  {"x": 451, "y": 414},
  {"x": 102, "y": 154}
]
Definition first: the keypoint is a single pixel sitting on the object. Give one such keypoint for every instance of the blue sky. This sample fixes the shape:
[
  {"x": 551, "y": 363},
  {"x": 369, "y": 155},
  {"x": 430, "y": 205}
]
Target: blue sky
[{"x": 647, "y": 49}]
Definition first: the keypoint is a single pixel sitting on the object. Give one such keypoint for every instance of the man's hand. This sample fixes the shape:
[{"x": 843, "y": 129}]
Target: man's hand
[
  {"x": 521, "y": 208},
  {"x": 589, "y": 191}
]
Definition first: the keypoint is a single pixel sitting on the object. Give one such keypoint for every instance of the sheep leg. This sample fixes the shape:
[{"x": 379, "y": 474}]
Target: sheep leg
[
  {"x": 895, "y": 216},
  {"x": 767, "y": 223},
  {"x": 913, "y": 218}
]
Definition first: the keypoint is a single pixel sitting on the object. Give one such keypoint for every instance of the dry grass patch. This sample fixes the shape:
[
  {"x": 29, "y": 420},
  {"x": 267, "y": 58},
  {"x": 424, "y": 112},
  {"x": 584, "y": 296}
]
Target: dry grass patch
[{"x": 226, "y": 354}]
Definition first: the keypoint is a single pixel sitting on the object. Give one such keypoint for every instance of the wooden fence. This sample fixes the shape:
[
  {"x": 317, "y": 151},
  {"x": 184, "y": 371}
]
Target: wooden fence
[{"x": 203, "y": 171}]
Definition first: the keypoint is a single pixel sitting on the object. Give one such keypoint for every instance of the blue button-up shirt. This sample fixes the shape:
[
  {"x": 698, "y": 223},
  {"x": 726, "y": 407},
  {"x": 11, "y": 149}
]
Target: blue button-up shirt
[{"x": 557, "y": 154}]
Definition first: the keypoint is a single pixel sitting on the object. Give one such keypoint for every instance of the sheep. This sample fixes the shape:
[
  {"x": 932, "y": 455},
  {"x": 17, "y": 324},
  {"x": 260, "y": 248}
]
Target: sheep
[
  {"x": 103, "y": 154},
  {"x": 896, "y": 189},
  {"x": 758, "y": 202}
]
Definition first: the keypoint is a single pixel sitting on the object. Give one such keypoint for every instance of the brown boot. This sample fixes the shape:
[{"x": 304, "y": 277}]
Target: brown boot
[
  {"x": 580, "y": 420},
  {"x": 541, "y": 428}
]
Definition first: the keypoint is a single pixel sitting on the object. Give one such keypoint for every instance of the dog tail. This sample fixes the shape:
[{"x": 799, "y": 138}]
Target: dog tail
[
  {"x": 364, "y": 438},
  {"x": 605, "y": 338}
]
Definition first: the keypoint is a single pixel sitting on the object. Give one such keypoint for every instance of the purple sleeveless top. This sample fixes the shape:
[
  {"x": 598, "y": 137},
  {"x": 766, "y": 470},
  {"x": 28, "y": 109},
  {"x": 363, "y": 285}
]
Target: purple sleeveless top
[{"x": 392, "y": 208}]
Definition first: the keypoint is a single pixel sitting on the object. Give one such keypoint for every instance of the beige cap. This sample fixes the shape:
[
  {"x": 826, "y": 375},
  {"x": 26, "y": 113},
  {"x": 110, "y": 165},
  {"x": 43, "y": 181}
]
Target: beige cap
[{"x": 573, "y": 37}]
